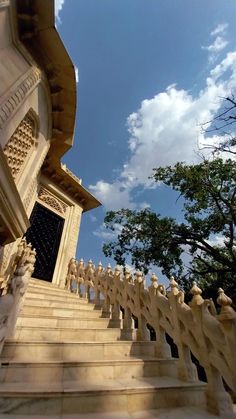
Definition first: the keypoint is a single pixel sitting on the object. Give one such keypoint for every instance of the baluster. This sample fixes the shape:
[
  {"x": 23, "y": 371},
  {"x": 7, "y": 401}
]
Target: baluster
[
  {"x": 186, "y": 369},
  {"x": 143, "y": 334},
  {"x": 162, "y": 349},
  {"x": 97, "y": 285},
  {"x": 116, "y": 314},
  {"x": 80, "y": 278},
  {"x": 127, "y": 332},
  {"x": 106, "y": 308}
]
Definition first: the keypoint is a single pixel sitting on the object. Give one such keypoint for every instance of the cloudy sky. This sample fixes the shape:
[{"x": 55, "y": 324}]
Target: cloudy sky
[{"x": 149, "y": 72}]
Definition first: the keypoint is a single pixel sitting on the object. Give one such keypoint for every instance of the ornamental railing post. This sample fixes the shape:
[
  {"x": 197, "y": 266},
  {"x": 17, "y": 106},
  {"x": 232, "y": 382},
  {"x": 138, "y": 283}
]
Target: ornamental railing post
[
  {"x": 97, "y": 285},
  {"x": 186, "y": 369},
  {"x": 156, "y": 291},
  {"x": 116, "y": 314},
  {"x": 143, "y": 334},
  {"x": 127, "y": 332},
  {"x": 106, "y": 307}
]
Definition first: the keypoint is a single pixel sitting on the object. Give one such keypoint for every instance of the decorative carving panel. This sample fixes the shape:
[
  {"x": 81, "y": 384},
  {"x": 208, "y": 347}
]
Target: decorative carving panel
[
  {"x": 52, "y": 201},
  {"x": 16, "y": 97},
  {"x": 20, "y": 145}
]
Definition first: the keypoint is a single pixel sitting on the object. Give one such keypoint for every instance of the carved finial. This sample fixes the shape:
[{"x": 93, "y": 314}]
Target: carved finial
[
  {"x": 223, "y": 300},
  {"x": 108, "y": 270},
  {"x": 226, "y": 312},
  {"x": 139, "y": 277},
  {"x": 174, "y": 286},
  {"x": 127, "y": 270},
  {"x": 154, "y": 281},
  {"x": 100, "y": 263},
  {"x": 196, "y": 292},
  {"x": 81, "y": 260}
]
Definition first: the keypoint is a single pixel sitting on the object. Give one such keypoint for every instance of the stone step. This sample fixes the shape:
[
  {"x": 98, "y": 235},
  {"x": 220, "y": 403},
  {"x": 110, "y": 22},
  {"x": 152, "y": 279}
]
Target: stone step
[
  {"x": 74, "y": 351},
  {"x": 106, "y": 396},
  {"x": 51, "y": 302},
  {"x": 64, "y": 334},
  {"x": 64, "y": 297},
  {"x": 52, "y": 290},
  {"x": 50, "y": 321},
  {"x": 43, "y": 286},
  {"x": 59, "y": 292},
  {"x": 166, "y": 413},
  {"x": 86, "y": 371},
  {"x": 60, "y": 311}
]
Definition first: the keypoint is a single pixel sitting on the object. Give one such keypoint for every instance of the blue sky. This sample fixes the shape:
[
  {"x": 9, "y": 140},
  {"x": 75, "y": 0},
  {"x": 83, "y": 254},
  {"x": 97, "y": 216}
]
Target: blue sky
[{"x": 149, "y": 73}]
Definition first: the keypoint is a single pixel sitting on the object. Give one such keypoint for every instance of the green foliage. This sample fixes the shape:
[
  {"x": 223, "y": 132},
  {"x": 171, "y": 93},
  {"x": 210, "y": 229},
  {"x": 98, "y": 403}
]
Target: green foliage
[{"x": 209, "y": 210}]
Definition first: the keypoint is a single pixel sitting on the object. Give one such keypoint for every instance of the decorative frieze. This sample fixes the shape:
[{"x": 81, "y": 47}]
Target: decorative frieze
[
  {"x": 52, "y": 201},
  {"x": 17, "y": 95}
]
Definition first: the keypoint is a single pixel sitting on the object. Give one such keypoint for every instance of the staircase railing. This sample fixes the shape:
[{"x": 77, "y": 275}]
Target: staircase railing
[
  {"x": 195, "y": 328},
  {"x": 13, "y": 289}
]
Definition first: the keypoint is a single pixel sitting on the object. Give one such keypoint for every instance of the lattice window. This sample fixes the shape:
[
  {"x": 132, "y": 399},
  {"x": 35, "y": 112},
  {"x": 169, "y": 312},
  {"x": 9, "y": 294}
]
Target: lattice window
[{"x": 20, "y": 145}]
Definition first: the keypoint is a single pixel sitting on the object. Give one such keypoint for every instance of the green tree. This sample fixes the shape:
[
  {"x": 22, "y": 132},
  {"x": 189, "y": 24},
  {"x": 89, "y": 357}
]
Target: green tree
[
  {"x": 223, "y": 124},
  {"x": 209, "y": 211}
]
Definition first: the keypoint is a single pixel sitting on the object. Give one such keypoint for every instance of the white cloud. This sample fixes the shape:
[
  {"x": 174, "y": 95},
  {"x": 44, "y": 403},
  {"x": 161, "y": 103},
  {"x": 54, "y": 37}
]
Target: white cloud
[
  {"x": 164, "y": 130},
  {"x": 113, "y": 195},
  {"x": 108, "y": 235},
  {"x": 221, "y": 28},
  {"x": 92, "y": 218},
  {"x": 217, "y": 240},
  {"x": 58, "y": 7},
  {"x": 219, "y": 43}
]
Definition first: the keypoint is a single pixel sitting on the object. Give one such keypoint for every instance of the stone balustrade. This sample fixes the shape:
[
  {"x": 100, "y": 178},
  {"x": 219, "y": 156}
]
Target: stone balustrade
[
  {"x": 13, "y": 288},
  {"x": 195, "y": 328}
]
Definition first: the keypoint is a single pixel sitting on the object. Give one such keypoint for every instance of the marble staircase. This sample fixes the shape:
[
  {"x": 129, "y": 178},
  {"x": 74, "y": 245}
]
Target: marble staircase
[{"x": 66, "y": 362}]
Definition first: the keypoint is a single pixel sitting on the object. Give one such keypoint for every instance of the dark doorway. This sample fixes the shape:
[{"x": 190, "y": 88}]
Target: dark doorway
[{"x": 45, "y": 235}]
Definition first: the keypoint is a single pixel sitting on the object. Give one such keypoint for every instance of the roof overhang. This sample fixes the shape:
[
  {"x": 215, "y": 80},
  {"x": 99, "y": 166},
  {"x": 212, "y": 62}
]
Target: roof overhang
[
  {"x": 36, "y": 30},
  {"x": 69, "y": 183}
]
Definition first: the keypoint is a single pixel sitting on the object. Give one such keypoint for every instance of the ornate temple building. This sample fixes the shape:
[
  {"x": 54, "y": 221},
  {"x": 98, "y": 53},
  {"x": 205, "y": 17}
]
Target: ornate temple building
[
  {"x": 39, "y": 197},
  {"x": 75, "y": 339}
]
